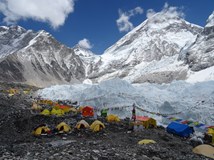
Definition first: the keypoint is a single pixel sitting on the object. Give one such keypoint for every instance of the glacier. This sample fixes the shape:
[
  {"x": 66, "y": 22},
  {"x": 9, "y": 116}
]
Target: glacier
[{"x": 194, "y": 101}]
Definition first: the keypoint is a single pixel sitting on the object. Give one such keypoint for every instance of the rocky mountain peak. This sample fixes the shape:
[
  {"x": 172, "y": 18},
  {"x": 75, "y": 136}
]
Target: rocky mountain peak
[
  {"x": 210, "y": 20},
  {"x": 83, "y": 52}
]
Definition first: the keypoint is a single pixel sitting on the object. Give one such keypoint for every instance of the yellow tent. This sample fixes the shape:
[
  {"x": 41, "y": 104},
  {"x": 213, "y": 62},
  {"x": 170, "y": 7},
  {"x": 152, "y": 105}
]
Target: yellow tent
[
  {"x": 63, "y": 127},
  {"x": 41, "y": 130},
  {"x": 82, "y": 124},
  {"x": 13, "y": 91},
  {"x": 147, "y": 121},
  {"x": 146, "y": 141},
  {"x": 72, "y": 109},
  {"x": 57, "y": 112},
  {"x": 205, "y": 150},
  {"x": 211, "y": 132},
  {"x": 80, "y": 109},
  {"x": 112, "y": 118},
  {"x": 36, "y": 106},
  {"x": 97, "y": 126},
  {"x": 45, "y": 112}
]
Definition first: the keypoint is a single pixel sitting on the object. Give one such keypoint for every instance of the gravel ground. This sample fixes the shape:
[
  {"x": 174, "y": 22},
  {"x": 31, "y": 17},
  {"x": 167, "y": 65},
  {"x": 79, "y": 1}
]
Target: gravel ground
[{"x": 115, "y": 142}]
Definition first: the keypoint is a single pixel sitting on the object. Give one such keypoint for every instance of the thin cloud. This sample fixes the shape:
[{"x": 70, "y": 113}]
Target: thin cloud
[
  {"x": 85, "y": 43},
  {"x": 53, "y": 12},
  {"x": 123, "y": 22}
]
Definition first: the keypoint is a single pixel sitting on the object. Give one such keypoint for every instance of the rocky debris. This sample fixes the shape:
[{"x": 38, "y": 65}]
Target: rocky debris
[{"x": 114, "y": 142}]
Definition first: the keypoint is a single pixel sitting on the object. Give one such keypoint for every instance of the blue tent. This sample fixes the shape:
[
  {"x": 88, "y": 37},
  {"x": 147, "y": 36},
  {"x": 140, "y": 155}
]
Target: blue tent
[{"x": 182, "y": 130}]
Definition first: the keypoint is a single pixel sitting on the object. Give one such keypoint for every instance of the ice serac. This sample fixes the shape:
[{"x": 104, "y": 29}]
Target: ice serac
[
  {"x": 201, "y": 54},
  {"x": 38, "y": 59},
  {"x": 149, "y": 53}
]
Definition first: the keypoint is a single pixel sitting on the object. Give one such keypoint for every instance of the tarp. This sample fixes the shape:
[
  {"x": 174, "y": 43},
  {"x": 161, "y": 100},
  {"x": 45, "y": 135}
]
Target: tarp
[
  {"x": 82, "y": 124},
  {"x": 97, "y": 126},
  {"x": 146, "y": 141},
  {"x": 182, "y": 130},
  {"x": 63, "y": 127},
  {"x": 205, "y": 150},
  {"x": 112, "y": 118}
]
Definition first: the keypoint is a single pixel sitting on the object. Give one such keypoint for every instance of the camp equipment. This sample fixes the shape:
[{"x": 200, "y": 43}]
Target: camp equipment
[
  {"x": 97, "y": 126},
  {"x": 104, "y": 112},
  {"x": 146, "y": 141},
  {"x": 182, "y": 130},
  {"x": 88, "y": 111},
  {"x": 82, "y": 124},
  {"x": 147, "y": 122},
  {"x": 63, "y": 128},
  {"x": 112, "y": 118},
  {"x": 211, "y": 132},
  {"x": 57, "y": 112},
  {"x": 41, "y": 130},
  {"x": 45, "y": 112},
  {"x": 205, "y": 150}
]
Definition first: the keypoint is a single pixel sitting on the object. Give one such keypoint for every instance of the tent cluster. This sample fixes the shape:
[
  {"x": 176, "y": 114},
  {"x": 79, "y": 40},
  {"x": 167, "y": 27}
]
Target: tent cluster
[
  {"x": 48, "y": 108},
  {"x": 14, "y": 91},
  {"x": 63, "y": 128}
]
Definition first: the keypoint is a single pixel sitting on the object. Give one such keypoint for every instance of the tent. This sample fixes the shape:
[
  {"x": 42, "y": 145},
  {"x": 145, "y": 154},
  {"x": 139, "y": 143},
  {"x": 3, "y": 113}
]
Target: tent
[
  {"x": 146, "y": 141},
  {"x": 43, "y": 129},
  {"x": 88, "y": 111},
  {"x": 205, "y": 150},
  {"x": 182, "y": 130},
  {"x": 45, "y": 112},
  {"x": 57, "y": 112},
  {"x": 65, "y": 108},
  {"x": 104, "y": 112},
  {"x": 211, "y": 132},
  {"x": 147, "y": 122},
  {"x": 36, "y": 107},
  {"x": 112, "y": 118},
  {"x": 63, "y": 127},
  {"x": 82, "y": 124},
  {"x": 97, "y": 126}
]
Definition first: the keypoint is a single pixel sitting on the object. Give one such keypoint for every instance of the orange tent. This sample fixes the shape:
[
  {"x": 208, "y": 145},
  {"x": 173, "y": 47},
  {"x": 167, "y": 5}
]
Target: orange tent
[
  {"x": 65, "y": 108},
  {"x": 146, "y": 121},
  {"x": 88, "y": 111}
]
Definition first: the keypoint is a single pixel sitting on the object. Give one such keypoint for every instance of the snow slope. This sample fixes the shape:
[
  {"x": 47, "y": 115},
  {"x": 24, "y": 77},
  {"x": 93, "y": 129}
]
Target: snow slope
[
  {"x": 194, "y": 100},
  {"x": 149, "y": 53},
  {"x": 201, "y": 76}
]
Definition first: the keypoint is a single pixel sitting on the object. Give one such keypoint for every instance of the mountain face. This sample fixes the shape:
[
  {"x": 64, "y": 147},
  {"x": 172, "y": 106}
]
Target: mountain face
[
  {"x": 149, "y": 53},
  {"x": 163, "y": 48},
  {"x": 37, "y": 59},
  {"x": 88, "y": 57},
  {"x": 13, "y": 39},
  {"x": 201, "y": 54}
]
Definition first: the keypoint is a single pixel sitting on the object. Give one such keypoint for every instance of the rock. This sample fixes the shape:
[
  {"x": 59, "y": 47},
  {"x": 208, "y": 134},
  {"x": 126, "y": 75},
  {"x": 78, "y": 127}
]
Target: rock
[{"x": 155, "y": 158}]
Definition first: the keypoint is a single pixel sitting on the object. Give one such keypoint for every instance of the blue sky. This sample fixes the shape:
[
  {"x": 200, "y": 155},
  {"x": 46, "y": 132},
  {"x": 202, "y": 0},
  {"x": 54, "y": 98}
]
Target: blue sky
[{"x": 92, "y": 21}]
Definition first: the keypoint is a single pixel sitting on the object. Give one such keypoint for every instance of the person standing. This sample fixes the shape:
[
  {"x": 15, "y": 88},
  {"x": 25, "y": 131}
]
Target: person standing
[{"x": 134, "y": 113}]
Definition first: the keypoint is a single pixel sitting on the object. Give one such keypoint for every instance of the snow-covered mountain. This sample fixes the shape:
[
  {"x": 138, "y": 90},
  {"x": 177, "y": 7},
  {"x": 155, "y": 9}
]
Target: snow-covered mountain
[
  {"x": 163, "y": 48},
  {"x": 149, "y": 53},
  {"x": 13, "y": 39},
  {"x": 37, "y": 58},
  {"x": 201, "y": 54},
  {"x": 88, "y": 57}
]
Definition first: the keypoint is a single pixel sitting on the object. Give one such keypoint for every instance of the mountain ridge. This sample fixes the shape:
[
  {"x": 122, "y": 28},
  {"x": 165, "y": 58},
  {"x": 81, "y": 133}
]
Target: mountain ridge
[{"x": 161, "y": 49}]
